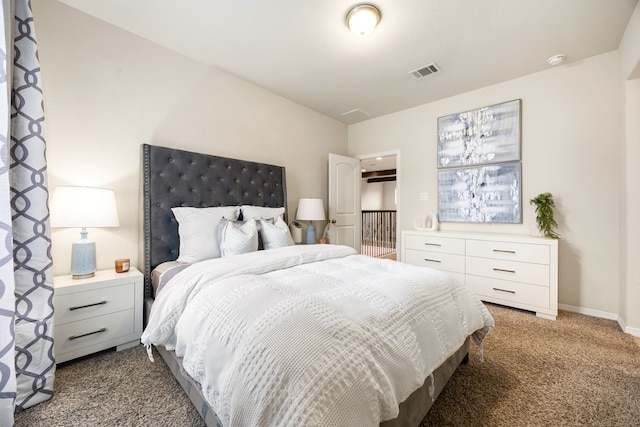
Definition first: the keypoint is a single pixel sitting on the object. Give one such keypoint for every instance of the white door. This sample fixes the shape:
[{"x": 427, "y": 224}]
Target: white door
[{"x": 344, "y": 201}]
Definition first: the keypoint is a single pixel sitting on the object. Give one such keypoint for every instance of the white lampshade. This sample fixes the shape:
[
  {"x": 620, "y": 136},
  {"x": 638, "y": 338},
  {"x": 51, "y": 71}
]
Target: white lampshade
[
  {"x": 83, "y": 207},
  {"x": 310, "y": 210},
  {"x": 362, "y": 19}
]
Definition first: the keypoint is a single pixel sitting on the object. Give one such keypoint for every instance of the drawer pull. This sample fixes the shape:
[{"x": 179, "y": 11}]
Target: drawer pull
[
  {"x": 504, "y": 290},
  {"x": 432, "y": 244},
  {"x": 503, "y": 270},
  {"x": 504, "y": 251},
  {"x": 87, "y": 306},
  {"x": 432, "y": 260},
  {"x": 75, "y": 337}
]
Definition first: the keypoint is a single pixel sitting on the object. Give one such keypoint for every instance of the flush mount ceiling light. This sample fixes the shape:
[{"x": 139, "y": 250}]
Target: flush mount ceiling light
[
  {"x": 362, "y": 19},
  {"x": 556, "y": 59}
]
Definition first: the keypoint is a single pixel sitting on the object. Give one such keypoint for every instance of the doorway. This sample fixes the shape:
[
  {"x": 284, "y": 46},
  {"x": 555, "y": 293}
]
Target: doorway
[{"x": 379, "y": 201}]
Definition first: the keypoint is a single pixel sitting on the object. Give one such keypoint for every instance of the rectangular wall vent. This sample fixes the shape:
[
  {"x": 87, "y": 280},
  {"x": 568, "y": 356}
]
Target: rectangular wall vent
[{"x": 425, "y": 71}]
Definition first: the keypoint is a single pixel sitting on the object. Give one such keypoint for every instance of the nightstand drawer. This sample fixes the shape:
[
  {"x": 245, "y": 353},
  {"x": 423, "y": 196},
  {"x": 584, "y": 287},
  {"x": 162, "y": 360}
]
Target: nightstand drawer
[
  {"x": 536, "y": 274},
  {"x": 437, "y": 260},
  {"x": 96, "y": 302},
  {"x": 508, "y": 251},
  {"x": 77, "y": 335},
  {"x": 434, "y": 244}
]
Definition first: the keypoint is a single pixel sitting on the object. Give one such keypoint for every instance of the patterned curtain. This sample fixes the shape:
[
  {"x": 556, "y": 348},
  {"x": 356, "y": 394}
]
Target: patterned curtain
[
  {"x": 29, "y": 319},
  {"x": 7, "y": 299}
]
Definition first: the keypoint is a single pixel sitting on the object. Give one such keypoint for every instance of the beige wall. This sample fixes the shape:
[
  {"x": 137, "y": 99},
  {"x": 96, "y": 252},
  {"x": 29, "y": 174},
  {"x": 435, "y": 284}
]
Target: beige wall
[
  {"x": 571, "y": 133},
  {"x": 108, "y": 91},
  {"x": 629, "y": 52},
  {"x": 378, "y": 195}
]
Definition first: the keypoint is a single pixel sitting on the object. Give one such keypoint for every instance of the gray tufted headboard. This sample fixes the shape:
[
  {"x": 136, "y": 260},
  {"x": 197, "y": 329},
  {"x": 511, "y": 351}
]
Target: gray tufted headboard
[{"x": 174, "y": 177}]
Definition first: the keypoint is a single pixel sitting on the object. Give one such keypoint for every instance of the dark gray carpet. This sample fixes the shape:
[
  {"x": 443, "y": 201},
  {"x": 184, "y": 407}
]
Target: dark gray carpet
[{"x": 576, "y": 371}]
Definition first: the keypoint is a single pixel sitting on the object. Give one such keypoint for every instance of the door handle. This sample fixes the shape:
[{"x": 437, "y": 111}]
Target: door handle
[{"x": 333, "y": 221}]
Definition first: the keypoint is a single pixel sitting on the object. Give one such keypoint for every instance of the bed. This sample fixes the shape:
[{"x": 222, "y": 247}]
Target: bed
[{"x": 173, "y": 179}]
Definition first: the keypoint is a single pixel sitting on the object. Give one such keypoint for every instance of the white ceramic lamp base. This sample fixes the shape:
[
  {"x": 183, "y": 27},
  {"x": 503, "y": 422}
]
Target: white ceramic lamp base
[{"x": 83, "y": 257}]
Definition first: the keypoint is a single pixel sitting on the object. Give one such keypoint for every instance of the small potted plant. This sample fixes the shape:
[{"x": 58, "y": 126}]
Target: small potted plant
[{"x": 544, "y": 215}]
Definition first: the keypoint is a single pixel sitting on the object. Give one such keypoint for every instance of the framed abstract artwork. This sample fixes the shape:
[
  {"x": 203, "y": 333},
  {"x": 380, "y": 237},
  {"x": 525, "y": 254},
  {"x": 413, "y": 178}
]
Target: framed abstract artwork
[
  {"x": 482, "y": 136},
  {"x": 490, "y": 193}
]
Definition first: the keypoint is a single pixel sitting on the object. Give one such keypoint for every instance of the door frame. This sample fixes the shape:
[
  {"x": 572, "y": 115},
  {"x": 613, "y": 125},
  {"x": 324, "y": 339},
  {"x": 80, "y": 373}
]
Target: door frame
[{"x": 386, "y": 154}]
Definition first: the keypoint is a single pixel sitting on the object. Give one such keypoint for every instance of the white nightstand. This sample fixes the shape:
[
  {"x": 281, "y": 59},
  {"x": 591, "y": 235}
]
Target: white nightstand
[{"x": 94, "y": 314}]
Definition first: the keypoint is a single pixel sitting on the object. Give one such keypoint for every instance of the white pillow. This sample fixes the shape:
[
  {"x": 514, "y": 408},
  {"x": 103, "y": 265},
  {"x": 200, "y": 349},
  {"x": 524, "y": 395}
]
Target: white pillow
[
  {"x": 257, "y": 212},
  {"x": 198, "y": 230},
  {"x": 275, "y": 234},
  {"x": 238, "y": 237}
]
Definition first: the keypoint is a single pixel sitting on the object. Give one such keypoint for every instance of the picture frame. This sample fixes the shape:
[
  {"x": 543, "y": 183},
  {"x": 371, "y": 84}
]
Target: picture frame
[
  {"x": 481, "y": 136},
  {"x": 490, "y": 193}
]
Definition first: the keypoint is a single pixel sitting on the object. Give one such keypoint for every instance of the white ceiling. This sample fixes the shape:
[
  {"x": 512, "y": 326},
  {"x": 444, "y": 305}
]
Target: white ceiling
[
  {"x": 378, "y": 163},
  {"x": 302, "y": 50}
]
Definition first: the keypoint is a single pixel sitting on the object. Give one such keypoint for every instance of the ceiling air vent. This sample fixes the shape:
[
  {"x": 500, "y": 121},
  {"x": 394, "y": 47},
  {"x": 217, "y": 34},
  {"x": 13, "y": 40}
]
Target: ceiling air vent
[
  {"x": 355, "y": 114},
  {"x": 425, "y": 71}
]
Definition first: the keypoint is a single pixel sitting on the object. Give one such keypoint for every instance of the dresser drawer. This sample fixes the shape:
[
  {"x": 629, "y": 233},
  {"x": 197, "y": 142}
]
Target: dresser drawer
[
  {"x": 508, "y": 251},
  {"x": 434, "y": 244},
  {"x": 523, "y": 272},
  {"x": 522, "y": 295},
  {"x": 437, "y": 260},
  {"x": 89, "y": 332},
  {"x": 92, "y": 303}
]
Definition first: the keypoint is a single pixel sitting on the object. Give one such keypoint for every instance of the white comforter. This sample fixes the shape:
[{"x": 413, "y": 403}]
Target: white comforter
[{"x": 312, "y": 335}]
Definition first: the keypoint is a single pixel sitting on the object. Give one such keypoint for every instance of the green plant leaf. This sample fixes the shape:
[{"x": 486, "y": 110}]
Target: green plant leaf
[{"x": 544, "y": 214}]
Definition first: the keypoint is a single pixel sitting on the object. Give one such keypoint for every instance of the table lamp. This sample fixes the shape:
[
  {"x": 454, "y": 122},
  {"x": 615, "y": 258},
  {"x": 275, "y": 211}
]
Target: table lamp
[
  {"x": 310, "y": 210},
  {"x": 83, "y": 207}
]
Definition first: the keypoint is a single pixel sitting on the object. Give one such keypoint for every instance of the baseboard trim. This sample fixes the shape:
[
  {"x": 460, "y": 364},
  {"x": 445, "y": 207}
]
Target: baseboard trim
[
  {"x": 603, "y": 315},
  {"x": 589, "y": 312},
  {"x": 629, "y": 330}
]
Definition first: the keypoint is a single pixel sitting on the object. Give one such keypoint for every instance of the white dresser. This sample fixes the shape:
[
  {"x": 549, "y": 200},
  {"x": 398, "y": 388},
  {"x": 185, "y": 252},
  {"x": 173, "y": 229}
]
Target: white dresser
[
  {"x": 97, "y": 313},
  {"x": 514, "y": 270}
]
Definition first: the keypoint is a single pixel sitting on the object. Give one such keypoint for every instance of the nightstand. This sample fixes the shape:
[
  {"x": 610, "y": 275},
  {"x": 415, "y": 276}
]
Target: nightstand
[{"x": 97, "y": 313}]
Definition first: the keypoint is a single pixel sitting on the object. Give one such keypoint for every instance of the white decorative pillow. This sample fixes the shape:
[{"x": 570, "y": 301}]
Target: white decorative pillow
[
  {"x": 237, "y": 237},
  {"x": 257, "y": 212},
  {"x": 275, "y": 234},
  {"x": 198, "y": 230}
]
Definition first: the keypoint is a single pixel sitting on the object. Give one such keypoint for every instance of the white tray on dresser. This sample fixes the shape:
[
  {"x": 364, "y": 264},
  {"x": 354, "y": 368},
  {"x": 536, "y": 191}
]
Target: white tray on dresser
[{"x": 513, "y": 270}]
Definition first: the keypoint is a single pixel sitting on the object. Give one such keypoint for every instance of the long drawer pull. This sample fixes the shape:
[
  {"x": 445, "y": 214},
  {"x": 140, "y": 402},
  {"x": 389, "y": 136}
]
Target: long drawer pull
[
  {"x": 87, "y": 306},
  {"x": 504, "y": 290},
  {"x": 432, "y": 260},
  {"x": 503, "y": 270},
  {"x": 504, "y": 251},
  {"x": 75, "y": 337},
  {"x": 433, "y": 244}
]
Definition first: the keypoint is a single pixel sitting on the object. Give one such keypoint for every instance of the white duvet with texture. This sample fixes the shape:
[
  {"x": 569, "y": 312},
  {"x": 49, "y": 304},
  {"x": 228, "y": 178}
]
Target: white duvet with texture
[{"x": 312, "y": 335}]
